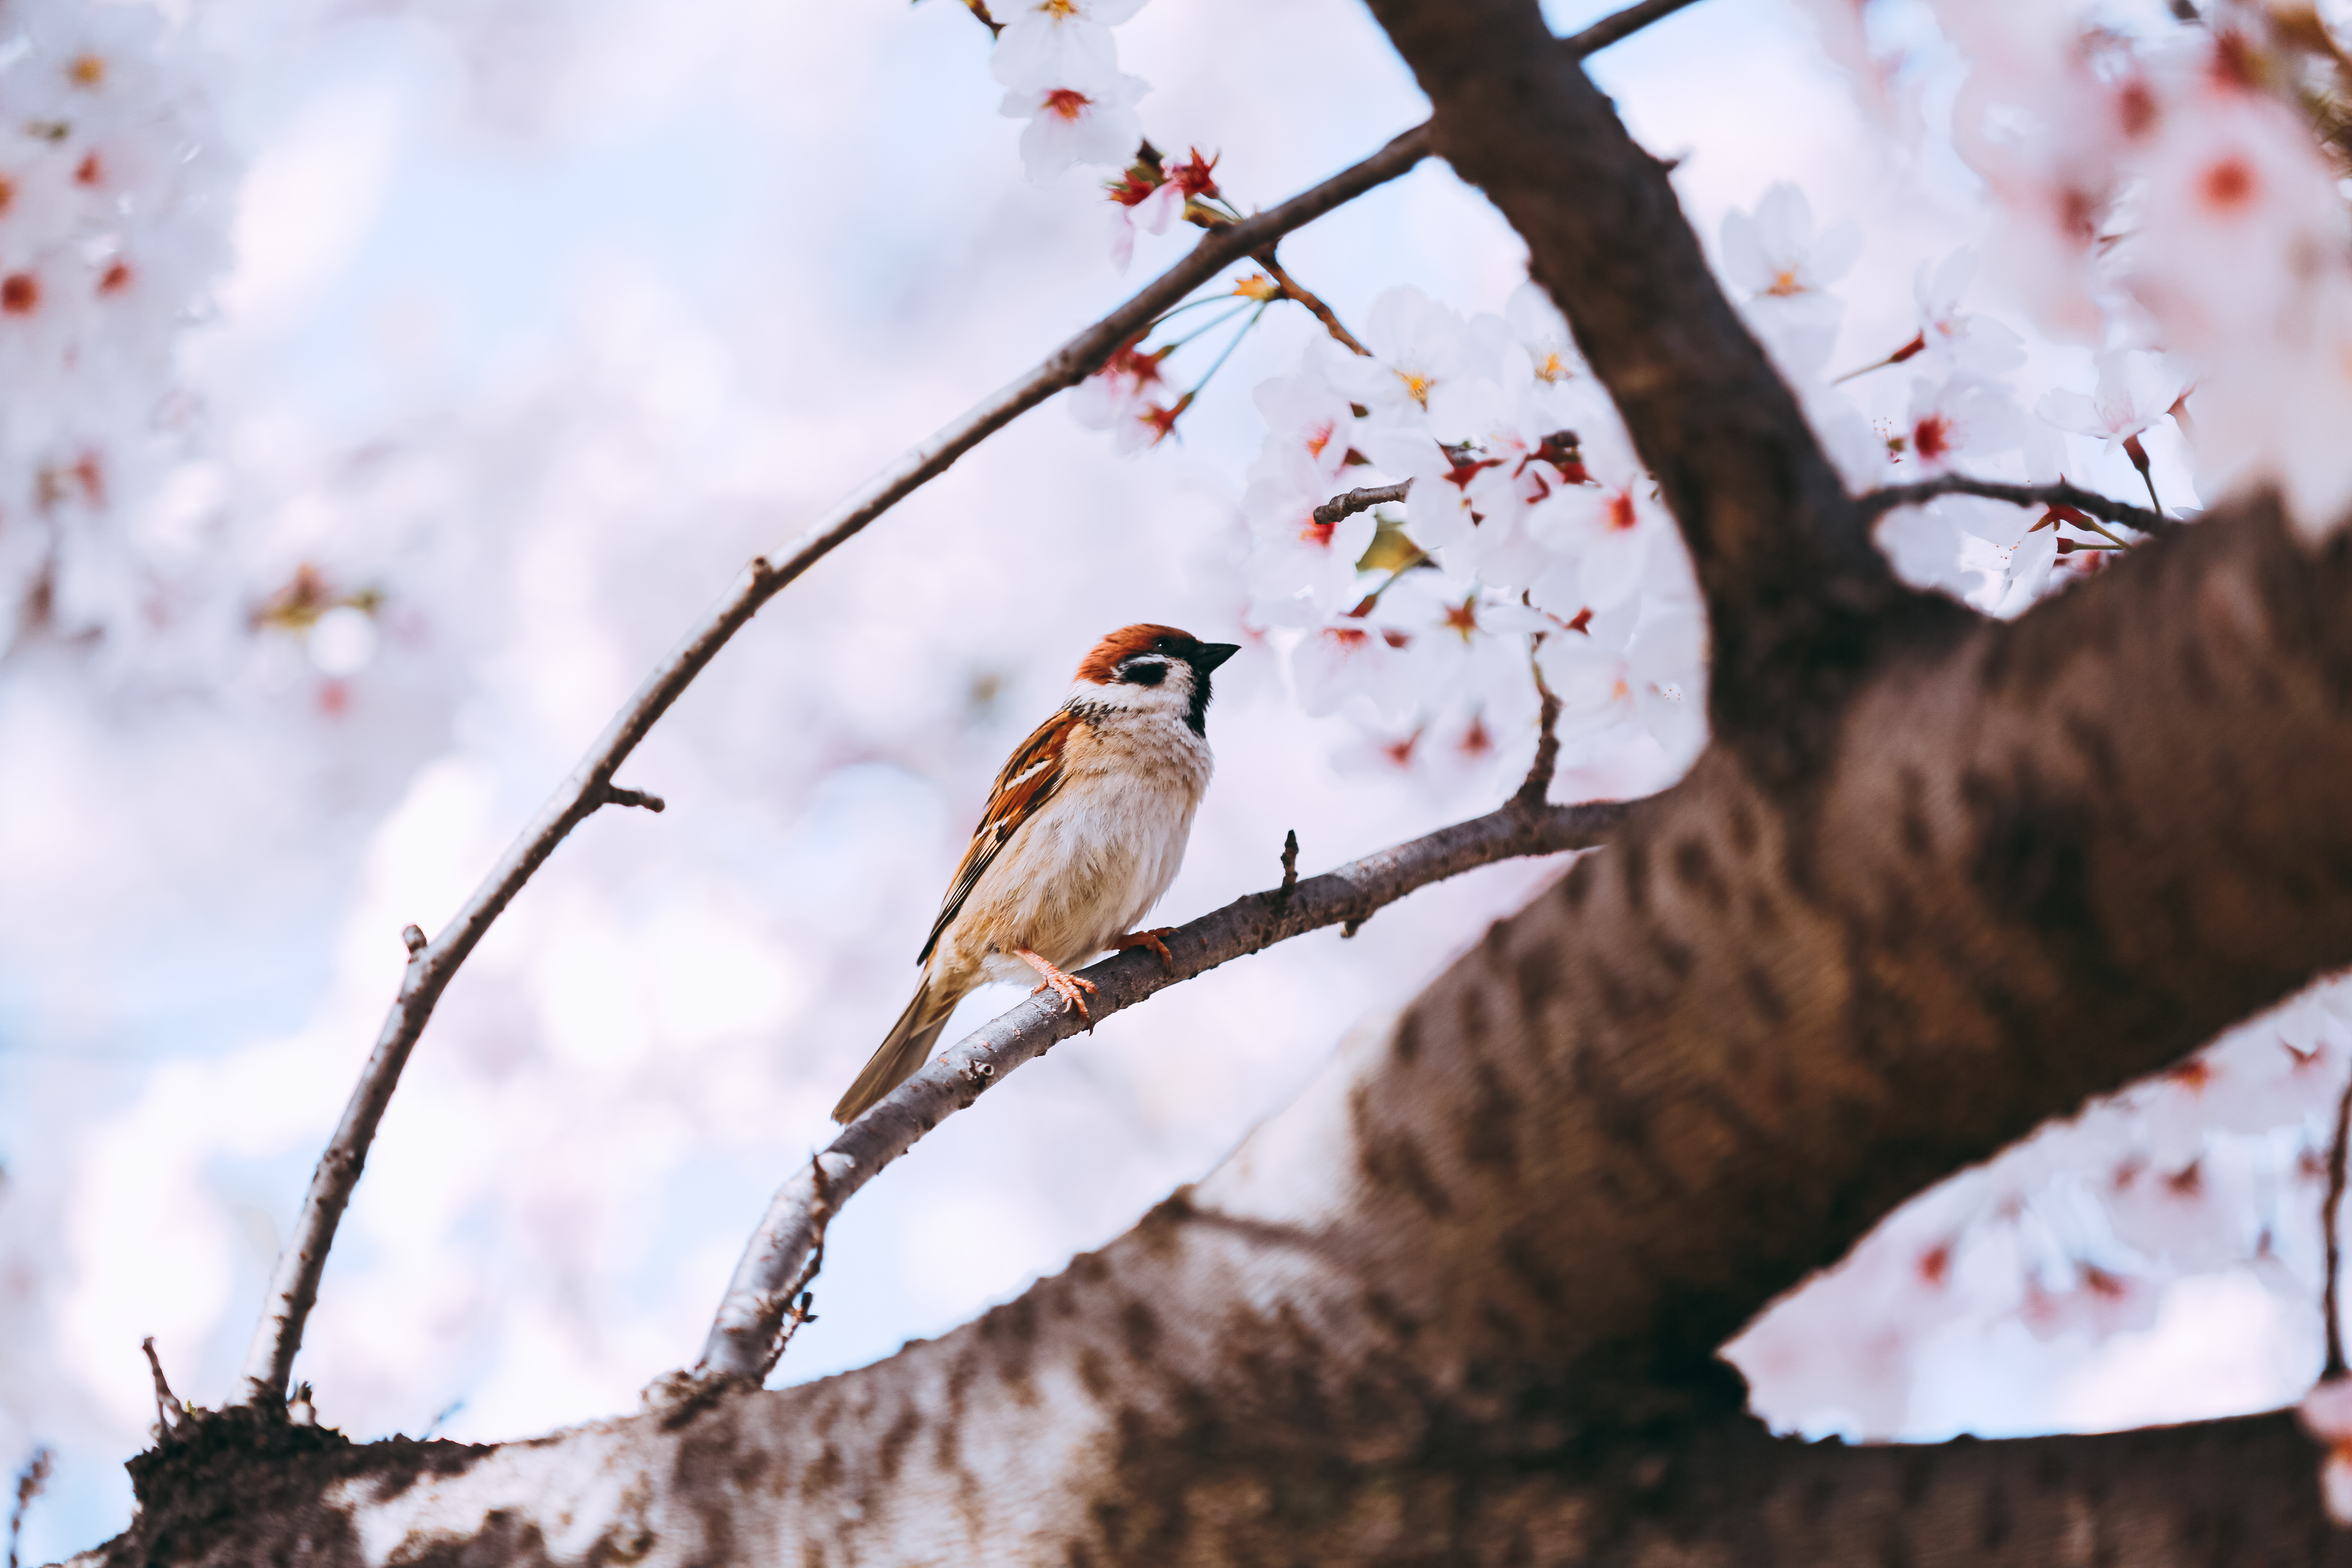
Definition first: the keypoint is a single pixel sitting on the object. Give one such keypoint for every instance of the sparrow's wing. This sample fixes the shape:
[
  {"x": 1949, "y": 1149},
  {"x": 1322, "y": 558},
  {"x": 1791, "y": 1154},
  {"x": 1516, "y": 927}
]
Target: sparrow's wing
[{"x": 1028, "y": 781}]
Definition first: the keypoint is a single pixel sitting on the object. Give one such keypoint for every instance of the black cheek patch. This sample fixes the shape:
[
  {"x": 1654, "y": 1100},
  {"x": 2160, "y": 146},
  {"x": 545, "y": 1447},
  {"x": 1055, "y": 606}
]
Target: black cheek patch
[{"x": 1149, "y": 674}]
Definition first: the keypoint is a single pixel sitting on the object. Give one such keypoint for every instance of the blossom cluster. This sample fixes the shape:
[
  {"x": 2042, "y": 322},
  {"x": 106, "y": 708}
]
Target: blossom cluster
[
  {"x": 1530, "y": 522},
  {"x": 113, "y": 223},
  {"x": 2168, "y": 191},
  {"x": 1529, "y": 526},
  {"x": 1952, "y": 408},
  {"x": 2217, "y": 1168}
]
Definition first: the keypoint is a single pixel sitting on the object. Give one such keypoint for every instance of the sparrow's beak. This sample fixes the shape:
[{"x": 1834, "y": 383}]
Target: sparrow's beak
[{"x": 1214, "y": 653}]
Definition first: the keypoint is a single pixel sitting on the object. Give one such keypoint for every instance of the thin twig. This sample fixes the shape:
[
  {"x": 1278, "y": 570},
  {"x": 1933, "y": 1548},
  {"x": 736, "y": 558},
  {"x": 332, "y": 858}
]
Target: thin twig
[
  {"x": 1621, "y": 24},
  {"x": 1539, "y": 773},
  {"x": 1289, "y": 865},
  {"x": 169, "y": 1411},
  {"x": 2334, "y": 1367},
  {"x": 1295, "y": 290},
  {"x": 29, "y": 1482},
  {"x": 294, "y": 1284},
  {"x": 2060, "y": 494},
  {"x": 1340, "y": 506},
  {"x": 744, "y": 1335},
  {"x": 616, "y": 795}
]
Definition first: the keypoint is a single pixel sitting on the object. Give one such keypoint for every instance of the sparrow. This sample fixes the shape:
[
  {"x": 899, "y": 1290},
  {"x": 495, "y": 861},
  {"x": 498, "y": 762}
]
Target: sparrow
[{"x": 1083, "y": 831}]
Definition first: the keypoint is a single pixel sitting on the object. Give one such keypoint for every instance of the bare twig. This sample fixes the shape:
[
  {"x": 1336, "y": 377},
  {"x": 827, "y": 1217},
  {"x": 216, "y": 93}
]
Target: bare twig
[
  {"x": 169, "y": 1411},
  {"x": 1539, "y": 773},
  {"x": 2329, "y": 1300},
  {"x": 1289, "y": 864},
  {"x": 1621, "y": 24},
  {"x": 1295, "y": 290},
  {"x": 743, "y": 1342},
  {"x": 616, "y": 795},
  {"x": 2060, "y": 494},
  {"x": 29, "y": 1482},
  {"x": 979, "y": 8},
  {"x": 1340, "y": 506},
  {"x": 294, "y": 1284}
]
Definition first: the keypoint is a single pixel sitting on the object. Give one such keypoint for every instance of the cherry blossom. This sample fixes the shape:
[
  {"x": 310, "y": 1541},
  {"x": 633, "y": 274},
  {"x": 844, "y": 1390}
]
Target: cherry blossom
[
  {"x": 1418, "y": 347},
  {"x": 1957, "y": 414},
  {"x": 1150, "y": 213},
  {"x": 1786, "y": 269},
  {"x": 1050, "y": 44},
  {"x": 1069, "y": 125},
  {"x": 1970, "y": 344},
  {"x": 2135, "y": 390},
  {"x": 1536, "y": 324},
  {"x": 1122, "y": 392}
]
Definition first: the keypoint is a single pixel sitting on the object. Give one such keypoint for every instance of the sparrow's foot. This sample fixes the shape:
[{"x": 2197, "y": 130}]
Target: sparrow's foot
[
  {"x": 1156, "y": 939},
  {"x": 1066, "y": 987}
]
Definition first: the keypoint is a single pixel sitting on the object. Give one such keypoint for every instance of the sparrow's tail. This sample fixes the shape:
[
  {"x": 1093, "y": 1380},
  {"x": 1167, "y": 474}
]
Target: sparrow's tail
[{"x": 903, "y": 1050}]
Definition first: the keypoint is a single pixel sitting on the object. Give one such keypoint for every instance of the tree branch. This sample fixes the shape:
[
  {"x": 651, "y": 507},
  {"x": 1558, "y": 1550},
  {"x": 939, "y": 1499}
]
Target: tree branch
[
  {"x": 743, "y": 1337},
  {"x": 1362, "y": 500},
  {"x": 1294, "y": 290},
  {"x": 1537, "y": 783},
  {"x": 1874, "y": 503},
  {"x": 294, "y": 1283}
]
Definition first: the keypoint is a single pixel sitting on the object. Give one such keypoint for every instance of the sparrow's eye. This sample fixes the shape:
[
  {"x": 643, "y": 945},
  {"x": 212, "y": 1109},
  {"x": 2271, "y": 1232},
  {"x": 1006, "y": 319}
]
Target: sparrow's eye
[{"x": 1144, "y": 672}]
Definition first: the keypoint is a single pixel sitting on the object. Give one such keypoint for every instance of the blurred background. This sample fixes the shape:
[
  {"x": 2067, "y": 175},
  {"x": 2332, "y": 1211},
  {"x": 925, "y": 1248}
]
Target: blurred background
[{"x": 532, "y": 320}]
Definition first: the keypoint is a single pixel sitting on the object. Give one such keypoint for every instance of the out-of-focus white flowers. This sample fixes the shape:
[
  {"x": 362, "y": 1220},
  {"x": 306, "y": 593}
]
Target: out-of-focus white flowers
[
  {"x": 1786, "y": 269},
  {"x": 114, "y": 194},
  {"x": 2134, "y": 391}
]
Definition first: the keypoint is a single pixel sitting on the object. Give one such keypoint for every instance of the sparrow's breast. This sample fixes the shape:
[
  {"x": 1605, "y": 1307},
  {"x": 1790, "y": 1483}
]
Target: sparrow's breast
[{"x": 1091, "y": 864}]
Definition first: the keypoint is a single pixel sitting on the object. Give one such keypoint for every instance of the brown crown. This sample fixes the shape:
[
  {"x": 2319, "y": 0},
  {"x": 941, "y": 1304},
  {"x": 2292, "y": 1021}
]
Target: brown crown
[{"x": 1101, "y": 666}]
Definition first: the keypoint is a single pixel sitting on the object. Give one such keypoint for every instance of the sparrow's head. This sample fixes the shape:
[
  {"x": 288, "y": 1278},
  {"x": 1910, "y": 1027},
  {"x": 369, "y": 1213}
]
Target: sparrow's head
[{"x": 1148, "y": 668}]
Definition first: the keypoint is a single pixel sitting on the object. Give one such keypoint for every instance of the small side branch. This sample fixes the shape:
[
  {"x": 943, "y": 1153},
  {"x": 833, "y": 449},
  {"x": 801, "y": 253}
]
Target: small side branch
[
  {"x": 616, "y": 795},
  {"x": 1294, "y": 290},
  {"x": 29, "y": 1482},
  {"x": 1621, "y": 24},
  {"x": 746, "y": 1335},
  {"x": 1340, "y": 507},
  {"x": 2106, "y": 507},
  {"x": 169, "y": 1412},
  {"x": 1531, "y": 794}
]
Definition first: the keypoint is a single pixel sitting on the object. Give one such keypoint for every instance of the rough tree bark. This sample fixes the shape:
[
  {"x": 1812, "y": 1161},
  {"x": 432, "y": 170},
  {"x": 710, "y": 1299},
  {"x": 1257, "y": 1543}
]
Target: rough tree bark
[{"x": 1935, "y": 881}]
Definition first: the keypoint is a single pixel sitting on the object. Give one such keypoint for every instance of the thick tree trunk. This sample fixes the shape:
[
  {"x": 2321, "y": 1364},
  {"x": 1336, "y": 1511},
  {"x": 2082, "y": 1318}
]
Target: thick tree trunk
[{"x": 1936, "y": 881}]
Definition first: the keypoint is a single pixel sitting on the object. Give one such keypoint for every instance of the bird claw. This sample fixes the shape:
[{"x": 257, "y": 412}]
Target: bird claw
[
  {"x": 1066, "y": 987},
  {"x": 1155, "y": 938}
]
